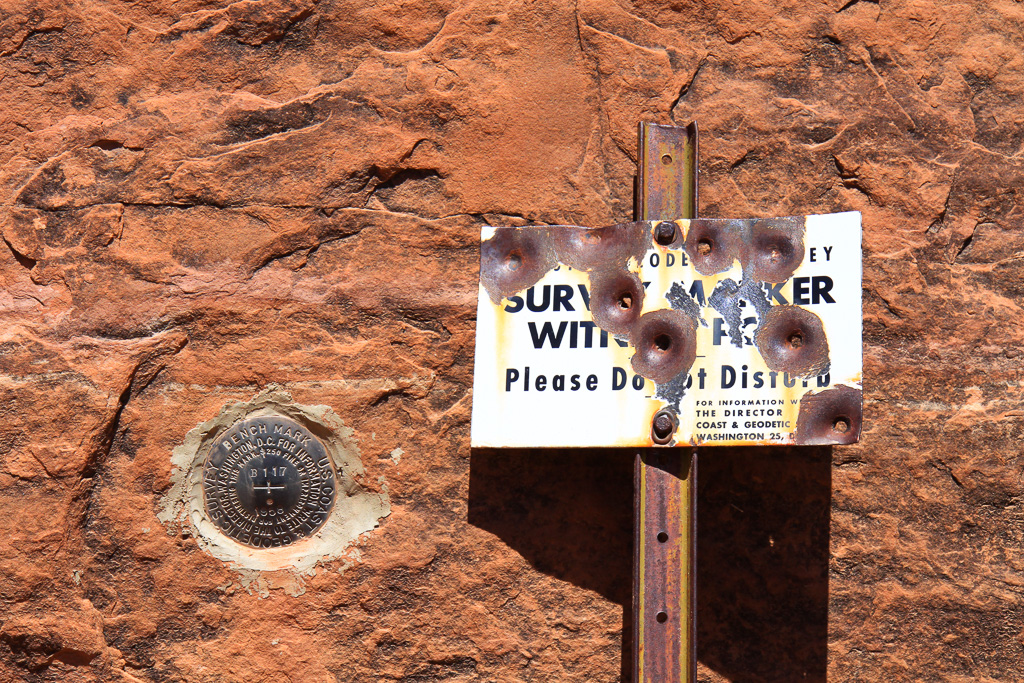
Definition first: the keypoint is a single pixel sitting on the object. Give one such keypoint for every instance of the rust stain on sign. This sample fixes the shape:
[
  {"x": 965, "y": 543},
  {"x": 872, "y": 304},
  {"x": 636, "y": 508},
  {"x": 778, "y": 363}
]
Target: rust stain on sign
[{"x": 727, "y": 330}]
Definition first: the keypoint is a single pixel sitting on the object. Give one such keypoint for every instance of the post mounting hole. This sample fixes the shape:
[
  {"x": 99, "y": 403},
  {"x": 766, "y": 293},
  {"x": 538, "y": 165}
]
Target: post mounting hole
[
  {"x": 662, "y": 537},
  {"x": 661, "y": 617},
  {"x": 666, "y": 159},
  {"x": 664, "y": 233},
  {"x": 662, "y": 429}
]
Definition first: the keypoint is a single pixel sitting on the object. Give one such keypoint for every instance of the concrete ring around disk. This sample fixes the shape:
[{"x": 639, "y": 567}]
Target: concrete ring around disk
[{"x": 319, "y": 531}]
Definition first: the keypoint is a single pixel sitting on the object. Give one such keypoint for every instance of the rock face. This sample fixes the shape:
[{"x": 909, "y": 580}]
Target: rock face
[{"x": 201, "y": 199}]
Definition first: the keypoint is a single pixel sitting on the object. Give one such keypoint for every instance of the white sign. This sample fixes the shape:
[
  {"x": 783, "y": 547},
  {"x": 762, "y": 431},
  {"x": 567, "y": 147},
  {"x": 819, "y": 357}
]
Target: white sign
[{"x": 744, "y": 331}]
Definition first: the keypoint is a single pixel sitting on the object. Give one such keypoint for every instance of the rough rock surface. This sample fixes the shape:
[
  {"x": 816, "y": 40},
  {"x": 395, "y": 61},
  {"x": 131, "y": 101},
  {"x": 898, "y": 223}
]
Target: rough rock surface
[{"x": 199, "y": 199}]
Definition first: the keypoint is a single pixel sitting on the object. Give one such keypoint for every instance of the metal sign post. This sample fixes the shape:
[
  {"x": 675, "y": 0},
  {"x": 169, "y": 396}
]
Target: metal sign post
[
  {"x": 664, "y": 335},
  {"x": 665, "y": 480}
]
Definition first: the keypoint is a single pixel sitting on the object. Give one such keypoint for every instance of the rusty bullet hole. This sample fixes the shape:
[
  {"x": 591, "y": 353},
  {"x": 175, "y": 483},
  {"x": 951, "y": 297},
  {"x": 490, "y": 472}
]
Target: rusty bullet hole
[
  {"x": 792, "y": 339},
  {"x": 514, "y": 259},
  {"x": 600, "y": 248},
  {"x": 776, "y": 250},
  {"x": 713, "y": 247},
  {"x": 616, "y": 300},
  {"x": 665, "y": 341},
  {"x": 662, "y": 537},
  {"x": 666, "y": 159},
  {"x": 665, "y": 233},
  {"x": 661, "y": 617},
  {"x": 832, "y": 416}
]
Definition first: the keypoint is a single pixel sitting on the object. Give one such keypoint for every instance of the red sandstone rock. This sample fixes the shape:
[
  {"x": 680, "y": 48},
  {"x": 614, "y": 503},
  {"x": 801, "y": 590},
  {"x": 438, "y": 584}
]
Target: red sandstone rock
[{"x": 201, "y": 199}]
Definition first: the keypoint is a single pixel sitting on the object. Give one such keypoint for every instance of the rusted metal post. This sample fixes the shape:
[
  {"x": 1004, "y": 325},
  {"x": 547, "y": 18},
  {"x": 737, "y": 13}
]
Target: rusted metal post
[{"x": 665, "y": 479}]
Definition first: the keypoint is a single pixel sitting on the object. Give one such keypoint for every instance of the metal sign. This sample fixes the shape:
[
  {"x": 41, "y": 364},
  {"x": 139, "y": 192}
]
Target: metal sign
[{"x": 690, "y": 332}]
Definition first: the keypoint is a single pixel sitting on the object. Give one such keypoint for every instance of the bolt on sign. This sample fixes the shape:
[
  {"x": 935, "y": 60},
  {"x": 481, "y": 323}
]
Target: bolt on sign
[{"x": 695, "y": 332}]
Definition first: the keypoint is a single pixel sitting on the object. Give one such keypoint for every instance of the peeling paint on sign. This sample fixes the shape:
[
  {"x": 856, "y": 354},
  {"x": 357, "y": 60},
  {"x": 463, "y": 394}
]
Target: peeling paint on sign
[{"x": 741, "y": 332}]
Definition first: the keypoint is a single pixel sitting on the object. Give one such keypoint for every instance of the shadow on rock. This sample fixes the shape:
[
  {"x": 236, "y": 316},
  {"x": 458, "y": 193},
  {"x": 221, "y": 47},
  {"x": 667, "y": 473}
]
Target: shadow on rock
[
  {"x": 763, "y": 544},
  {"x": 762, "y": 562},
  {"x": 569, "y": 512}
]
